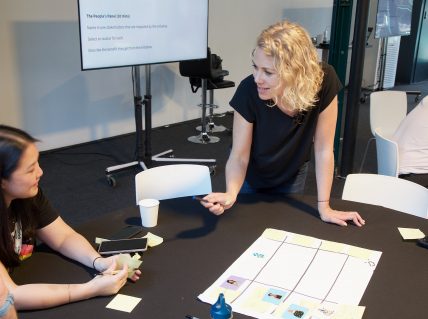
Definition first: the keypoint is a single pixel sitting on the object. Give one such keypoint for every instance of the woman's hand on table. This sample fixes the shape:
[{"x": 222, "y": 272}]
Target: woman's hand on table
[{"x": 338, "y": 217}]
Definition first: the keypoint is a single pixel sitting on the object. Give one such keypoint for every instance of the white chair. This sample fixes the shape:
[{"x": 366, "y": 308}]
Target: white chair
[
  {"x": 387, "y": 191},
  {"x": 387, "y": 155},
  {"x": 387, "y": 110},
  {"x": 172, "y": 181}
]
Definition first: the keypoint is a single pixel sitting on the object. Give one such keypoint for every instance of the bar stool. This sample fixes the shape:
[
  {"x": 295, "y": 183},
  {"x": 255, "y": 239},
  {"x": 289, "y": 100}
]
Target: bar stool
[{"x": 206, "y": 74}]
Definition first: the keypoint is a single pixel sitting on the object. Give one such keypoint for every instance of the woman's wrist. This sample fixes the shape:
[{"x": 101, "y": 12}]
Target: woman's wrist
[
  {"x": 68, "y": 294},
  {"x": 232, "y": 194},
  {"x": 96, "y": 264},
  {"x": 83, "y": 291},
  {"x": 323, "y": 205},
  {"x": 230, "y": 199}
]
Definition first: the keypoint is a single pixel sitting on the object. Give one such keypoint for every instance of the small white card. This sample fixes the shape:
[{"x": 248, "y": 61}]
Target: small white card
[
  {"x": 411, "y": 233},
  {"x": 123, "y": 303}
]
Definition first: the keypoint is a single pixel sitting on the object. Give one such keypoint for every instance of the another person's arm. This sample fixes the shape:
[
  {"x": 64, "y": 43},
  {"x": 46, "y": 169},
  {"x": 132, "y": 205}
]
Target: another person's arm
[
  {"x": 324, "y": 168},
  {"x": 236, "y": 167}
]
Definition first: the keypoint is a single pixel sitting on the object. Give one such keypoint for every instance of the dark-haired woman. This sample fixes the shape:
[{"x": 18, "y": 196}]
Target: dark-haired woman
[{"x": 26, "y": 214}]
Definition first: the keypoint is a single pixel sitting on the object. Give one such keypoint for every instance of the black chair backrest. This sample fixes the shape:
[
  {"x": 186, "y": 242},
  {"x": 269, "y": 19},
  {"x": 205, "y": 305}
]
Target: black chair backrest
[{"x": 209, "y": 68}]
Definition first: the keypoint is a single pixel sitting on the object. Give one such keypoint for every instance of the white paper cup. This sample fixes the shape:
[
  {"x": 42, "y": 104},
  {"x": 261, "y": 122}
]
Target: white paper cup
[{"x": 149, "y": 212}]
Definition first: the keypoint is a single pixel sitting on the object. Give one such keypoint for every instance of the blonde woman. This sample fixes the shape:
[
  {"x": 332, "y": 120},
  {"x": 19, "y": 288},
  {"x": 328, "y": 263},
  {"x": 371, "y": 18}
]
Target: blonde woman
[{"x": 285, "y": 106}]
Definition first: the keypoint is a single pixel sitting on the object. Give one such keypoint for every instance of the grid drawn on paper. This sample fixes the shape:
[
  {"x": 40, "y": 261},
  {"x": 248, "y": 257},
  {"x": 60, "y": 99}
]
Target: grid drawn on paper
[
  {"x": 342, "y": 262},
  {"x": 254, "y": 280}
]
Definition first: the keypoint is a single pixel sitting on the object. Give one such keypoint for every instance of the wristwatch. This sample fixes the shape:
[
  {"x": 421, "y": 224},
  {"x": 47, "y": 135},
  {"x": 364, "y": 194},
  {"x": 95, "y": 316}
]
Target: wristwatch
[{"x": 4, "y": 308}]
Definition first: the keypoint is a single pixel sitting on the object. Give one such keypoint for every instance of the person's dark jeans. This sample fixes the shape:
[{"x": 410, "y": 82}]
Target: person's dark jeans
[
  {"x": 295, "y": 186},
  {"x": 421, "y": 179}
]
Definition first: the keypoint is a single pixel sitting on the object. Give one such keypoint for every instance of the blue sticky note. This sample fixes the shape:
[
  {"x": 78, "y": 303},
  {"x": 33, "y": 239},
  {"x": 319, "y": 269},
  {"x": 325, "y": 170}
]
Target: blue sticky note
[{"x": 274, "y": 296}]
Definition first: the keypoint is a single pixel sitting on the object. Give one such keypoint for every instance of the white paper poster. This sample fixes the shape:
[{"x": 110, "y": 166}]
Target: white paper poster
[{"x": 287, "y": 275}]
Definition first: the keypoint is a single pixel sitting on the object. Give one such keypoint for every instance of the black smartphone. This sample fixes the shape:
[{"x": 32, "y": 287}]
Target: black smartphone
[
  {"x": 126, "y": 232},
  {"x": 110, "y": 247}
]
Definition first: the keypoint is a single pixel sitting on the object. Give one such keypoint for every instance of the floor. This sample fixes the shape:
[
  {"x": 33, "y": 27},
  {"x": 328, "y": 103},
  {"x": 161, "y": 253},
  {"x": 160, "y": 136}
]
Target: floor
[{"x": 75, "y": 181}]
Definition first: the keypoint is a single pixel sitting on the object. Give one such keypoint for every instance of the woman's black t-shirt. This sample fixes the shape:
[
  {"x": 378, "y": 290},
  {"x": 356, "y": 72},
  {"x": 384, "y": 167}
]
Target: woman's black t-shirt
[
  {"x": 41, "y": 213},
  {"x": 281, "y": 144}
]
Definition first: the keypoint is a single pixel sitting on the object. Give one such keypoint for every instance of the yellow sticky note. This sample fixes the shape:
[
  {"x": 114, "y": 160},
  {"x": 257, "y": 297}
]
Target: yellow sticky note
[
  {"x": 274, "y": 234},
  {"x": 123, "y": 303},
  {"x": 305, "y": 241},
  {"x": 337, "y": 311},
  {"x": 411, "y": 233},
  {"x": 255, "y": 301},
  {"x": 359, "y": 252},
  {"x": 228, "y": 293},
  {"x": 332, "y": 246},
  {"x": 132, "y": 262},
  {"x": 349, "y": 312}
]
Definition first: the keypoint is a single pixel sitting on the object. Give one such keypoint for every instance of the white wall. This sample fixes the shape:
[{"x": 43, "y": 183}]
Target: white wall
[{"x": 44, "y": 92}]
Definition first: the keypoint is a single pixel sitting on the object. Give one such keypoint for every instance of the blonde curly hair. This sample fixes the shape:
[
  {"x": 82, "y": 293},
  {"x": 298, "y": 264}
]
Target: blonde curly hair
[{"x": 296, "y": 61}]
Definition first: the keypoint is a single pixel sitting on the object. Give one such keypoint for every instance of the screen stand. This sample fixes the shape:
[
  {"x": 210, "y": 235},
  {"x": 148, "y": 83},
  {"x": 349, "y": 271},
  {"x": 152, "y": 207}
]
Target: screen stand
[
  {"x": 383, "y": 53},
  {"x": 145, "y": 159}
]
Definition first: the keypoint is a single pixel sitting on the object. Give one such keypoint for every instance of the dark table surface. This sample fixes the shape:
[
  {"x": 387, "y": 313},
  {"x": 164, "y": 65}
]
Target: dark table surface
[{"x": 198, "y": 247}]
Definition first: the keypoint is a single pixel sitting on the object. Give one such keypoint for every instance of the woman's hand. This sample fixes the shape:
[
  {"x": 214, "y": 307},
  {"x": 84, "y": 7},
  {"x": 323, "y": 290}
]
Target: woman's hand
[
  {"x": 102, "y": 264},
  {"x": 109, "y": 281},
  {"x": 338, "y": 217},
  {"x": 217, "y": 203}
]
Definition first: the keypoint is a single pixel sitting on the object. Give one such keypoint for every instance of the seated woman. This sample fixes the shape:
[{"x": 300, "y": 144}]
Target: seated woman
[{"x": 26, "y": 214}]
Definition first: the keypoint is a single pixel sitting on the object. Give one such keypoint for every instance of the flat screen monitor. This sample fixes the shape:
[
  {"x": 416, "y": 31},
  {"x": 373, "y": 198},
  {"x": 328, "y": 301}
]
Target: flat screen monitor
[
  {"x": 117, "y": 33},
  {"x": 393, "y": 18}
]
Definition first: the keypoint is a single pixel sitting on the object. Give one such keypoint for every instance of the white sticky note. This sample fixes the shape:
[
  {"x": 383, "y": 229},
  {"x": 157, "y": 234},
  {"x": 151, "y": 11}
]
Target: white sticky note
[
  {"x": 411, "y": 233},
  {"x": 99, "y": 240},
  {"x": 123, "y": 303},
  {"x": 153, "y": 240}
]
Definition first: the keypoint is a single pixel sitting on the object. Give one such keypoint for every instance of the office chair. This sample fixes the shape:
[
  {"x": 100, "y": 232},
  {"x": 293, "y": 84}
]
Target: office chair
[
  {"x": 387, "y": 110},
  {"x": 387, "y": 155},
  {"x": 387, "y": 191},
  {"x": 208, "y": 75},
  {"x": 172, "y": 181}
]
